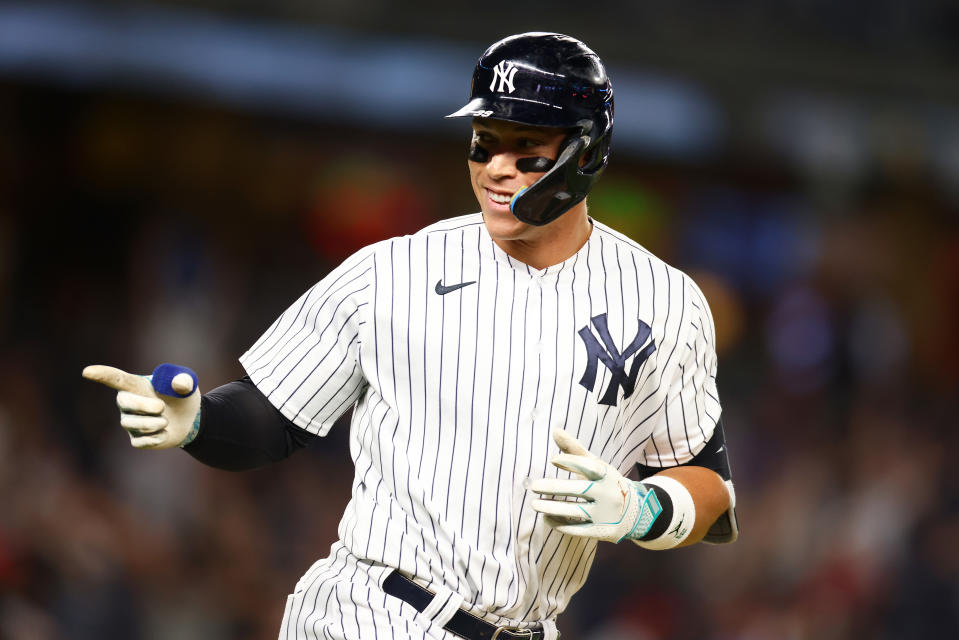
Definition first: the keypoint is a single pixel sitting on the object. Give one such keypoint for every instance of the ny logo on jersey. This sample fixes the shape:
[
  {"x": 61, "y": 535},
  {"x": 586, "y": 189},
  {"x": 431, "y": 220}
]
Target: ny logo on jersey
[
  {"x": 613, "y": 359},
  {"x": 504, "y": 72}
]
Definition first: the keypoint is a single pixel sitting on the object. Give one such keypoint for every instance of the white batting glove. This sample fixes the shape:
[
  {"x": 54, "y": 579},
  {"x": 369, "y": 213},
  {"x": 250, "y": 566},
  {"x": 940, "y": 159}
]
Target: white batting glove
[
  {"x": 159, "y": 411},
  {"x": 611, "y": 507}
]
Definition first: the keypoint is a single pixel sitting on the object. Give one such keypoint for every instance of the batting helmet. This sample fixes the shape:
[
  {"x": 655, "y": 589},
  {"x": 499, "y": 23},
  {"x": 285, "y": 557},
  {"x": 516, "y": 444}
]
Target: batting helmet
[{"x": 552, "y": 80}]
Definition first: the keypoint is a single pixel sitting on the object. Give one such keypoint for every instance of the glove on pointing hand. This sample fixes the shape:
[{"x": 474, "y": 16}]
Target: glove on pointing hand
[
  {"x": 611, "y": 506},
  {"x": 159, "y": 411}
]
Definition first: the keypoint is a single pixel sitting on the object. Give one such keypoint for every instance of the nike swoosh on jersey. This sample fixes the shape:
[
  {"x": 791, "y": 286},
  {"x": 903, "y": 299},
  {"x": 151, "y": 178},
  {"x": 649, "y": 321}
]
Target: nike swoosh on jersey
[{"x": 443, "y": 290}]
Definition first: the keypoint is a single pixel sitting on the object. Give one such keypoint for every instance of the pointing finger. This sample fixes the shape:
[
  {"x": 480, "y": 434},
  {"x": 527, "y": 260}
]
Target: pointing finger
[{"x": 118, "y": 379}]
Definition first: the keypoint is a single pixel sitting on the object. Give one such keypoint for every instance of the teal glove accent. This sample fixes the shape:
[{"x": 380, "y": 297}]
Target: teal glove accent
[
  {"x": 649, "y": 510},
  {"x": 611, "y": 507}
]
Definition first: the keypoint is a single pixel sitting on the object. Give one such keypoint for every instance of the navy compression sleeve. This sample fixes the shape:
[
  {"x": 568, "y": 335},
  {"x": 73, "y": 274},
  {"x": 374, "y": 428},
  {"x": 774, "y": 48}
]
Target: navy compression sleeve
[{"x": 240, "y": 429}]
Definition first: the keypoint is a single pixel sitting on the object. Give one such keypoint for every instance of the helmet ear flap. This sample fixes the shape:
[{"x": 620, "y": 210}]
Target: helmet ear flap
[
  {"x": 567, "y": 182},
  {"x": 559, "y": 190},
  {"x": 595, "y": 157},
  {"x": 596, "y": 154}
]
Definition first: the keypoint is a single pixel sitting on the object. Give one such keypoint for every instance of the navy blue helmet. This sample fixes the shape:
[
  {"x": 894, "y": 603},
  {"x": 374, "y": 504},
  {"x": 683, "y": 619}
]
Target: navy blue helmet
[{"x": 551, "y": 80}]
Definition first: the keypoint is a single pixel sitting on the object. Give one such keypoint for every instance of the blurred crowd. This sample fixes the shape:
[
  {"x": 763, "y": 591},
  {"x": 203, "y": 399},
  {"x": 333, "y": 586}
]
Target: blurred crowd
[{"x": 134, "y": 232}]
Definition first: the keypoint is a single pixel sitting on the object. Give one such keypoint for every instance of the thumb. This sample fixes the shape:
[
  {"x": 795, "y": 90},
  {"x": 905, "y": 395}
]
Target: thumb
[
  {"x": 174, "y": 380},
  {"x": 569, "y": 444},
  {"x": 119, "y": 379}
]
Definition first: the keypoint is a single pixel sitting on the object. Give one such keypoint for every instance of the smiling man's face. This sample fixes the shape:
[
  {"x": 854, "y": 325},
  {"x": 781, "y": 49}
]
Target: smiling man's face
[{"x": 496, "y": 180}]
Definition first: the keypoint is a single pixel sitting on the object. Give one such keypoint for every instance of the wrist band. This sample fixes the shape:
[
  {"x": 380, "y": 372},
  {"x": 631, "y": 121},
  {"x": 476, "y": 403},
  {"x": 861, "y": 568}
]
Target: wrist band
[
  {"x": 683, "y": 513},
  {"x": 194, "y": 430}
]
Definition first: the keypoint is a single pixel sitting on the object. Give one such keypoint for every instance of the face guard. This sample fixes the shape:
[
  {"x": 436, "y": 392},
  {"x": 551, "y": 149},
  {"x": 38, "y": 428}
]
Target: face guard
[{"x": 550, "y": 80}]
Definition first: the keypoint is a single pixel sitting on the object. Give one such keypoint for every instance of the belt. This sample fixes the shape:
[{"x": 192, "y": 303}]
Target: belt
[{"x": 463, "y": 623}]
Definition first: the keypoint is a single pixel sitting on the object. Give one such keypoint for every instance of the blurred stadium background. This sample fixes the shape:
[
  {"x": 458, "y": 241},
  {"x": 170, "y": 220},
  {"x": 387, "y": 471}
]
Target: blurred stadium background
[{"x": 173, "y": 174}]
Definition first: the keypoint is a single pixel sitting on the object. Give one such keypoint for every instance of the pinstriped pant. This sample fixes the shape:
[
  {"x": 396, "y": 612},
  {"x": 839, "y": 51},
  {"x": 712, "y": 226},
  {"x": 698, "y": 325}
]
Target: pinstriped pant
[{"x": 340, "y": 598}]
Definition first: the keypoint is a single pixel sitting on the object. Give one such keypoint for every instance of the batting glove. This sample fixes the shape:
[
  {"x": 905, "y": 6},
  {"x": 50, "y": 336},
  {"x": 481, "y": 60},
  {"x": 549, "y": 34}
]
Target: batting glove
[
  {"x": 160, "y": 411},
  {"x": 610, "y": 506}
]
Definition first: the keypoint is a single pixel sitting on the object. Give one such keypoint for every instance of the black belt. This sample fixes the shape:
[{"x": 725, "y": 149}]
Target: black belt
[{"x": 463, "y": 624}]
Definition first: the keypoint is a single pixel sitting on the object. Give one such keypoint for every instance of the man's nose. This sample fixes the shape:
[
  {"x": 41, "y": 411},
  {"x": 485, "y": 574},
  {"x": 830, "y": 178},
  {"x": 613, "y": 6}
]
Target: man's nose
[{"x": 502, "y": 165}]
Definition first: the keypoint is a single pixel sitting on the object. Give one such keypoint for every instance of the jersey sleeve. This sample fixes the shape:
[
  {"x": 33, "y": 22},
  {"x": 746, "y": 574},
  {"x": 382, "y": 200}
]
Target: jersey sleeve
[
  {"x": 307, "y": 363},
  {"x": 688, "y": 395},
  {"x": 689, "y": 428}
]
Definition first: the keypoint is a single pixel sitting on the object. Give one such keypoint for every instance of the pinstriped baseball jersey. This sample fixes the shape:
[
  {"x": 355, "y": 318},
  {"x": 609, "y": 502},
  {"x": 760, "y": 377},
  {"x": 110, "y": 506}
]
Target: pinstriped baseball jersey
[{"x": 460, "y": 362}]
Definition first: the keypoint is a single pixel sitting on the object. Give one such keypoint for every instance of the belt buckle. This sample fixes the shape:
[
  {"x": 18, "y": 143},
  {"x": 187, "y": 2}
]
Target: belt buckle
[{"x": 518, "y": 631}]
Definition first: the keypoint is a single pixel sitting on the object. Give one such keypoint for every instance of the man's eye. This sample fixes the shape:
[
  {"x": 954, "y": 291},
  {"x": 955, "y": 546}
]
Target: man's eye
[{"x": 527, "y": 143}]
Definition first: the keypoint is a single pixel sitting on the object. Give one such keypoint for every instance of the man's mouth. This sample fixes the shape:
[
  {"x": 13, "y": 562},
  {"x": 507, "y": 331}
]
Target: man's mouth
[{"x": 499, "y": 198}]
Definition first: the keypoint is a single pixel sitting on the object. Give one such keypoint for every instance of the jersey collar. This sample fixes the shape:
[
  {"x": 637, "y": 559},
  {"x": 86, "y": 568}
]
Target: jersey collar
[{"x": 501, "y": 257}]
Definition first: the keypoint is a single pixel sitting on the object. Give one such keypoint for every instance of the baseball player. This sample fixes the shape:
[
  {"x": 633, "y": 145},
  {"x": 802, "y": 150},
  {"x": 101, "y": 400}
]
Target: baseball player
[{"x": 507, "y": 371}]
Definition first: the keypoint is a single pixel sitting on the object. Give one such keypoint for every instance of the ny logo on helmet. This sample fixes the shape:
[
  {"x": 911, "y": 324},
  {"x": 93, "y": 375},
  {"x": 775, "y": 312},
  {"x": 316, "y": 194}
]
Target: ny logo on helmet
[
  {"x": 613, "y": 359},
  {"x": 504, "y": 72}
]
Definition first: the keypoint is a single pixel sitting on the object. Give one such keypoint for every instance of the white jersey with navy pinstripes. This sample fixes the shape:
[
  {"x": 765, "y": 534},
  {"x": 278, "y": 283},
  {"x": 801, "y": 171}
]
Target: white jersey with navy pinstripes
[{"x": 459, "y": 362}]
